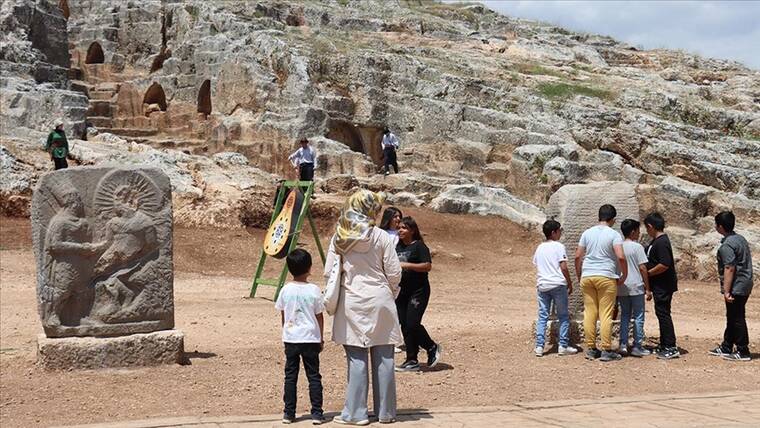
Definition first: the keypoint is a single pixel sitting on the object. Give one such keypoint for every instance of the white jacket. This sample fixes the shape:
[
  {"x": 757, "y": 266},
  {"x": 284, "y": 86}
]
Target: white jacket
[{"x": 366, "y": 315}]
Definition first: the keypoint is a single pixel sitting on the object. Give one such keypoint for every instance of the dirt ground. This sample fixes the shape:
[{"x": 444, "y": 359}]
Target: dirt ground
[{"x": 481, "y": 311}]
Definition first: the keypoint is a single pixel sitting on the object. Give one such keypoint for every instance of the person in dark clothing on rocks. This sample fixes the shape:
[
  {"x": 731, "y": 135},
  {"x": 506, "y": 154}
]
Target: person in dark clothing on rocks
[
  {"x": 411, "y": 303},
  {"x": 389, "y": 144},
  {"x": 735, "y": 271},
  {"x": 663, "y": 282},
  {"x": 58, "y": 146}
]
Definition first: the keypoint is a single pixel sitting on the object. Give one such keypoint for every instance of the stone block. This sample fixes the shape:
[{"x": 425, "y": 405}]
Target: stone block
[
  {"x": 135, "y": 350},
  {"x": 576, "y": 206},
  {"x": 102, "y": 238}
]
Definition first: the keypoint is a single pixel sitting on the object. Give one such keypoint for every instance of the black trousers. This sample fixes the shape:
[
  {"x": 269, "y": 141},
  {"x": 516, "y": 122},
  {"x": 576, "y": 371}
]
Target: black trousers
[
  {"x": 389, "y": 159},
  {"x": 411, "y": 305},
  {"x": 736, "y": 327},
  {"x": 60, "y": 163},
  {"x": 662, "y": 302},
  {"x": 306, "y": 172},
  {"x": 309, "y": 353}
]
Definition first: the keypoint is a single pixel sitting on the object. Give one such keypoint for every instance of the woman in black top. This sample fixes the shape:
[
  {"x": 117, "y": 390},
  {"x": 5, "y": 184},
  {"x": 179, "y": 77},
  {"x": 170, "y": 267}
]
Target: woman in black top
[{"x": 415, "y": 260}]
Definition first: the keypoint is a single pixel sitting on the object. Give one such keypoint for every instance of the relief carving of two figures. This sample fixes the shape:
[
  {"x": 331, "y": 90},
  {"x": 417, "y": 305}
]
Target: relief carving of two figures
[{"x": 97, "y": 265}]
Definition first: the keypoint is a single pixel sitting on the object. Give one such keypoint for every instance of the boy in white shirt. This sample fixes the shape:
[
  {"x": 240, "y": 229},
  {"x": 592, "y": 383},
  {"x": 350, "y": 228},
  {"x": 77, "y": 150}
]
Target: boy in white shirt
[
  {"x": 300, "y": 303},
  {"x": 631, "y": 292},
  {"x": 554, "y": 285}
]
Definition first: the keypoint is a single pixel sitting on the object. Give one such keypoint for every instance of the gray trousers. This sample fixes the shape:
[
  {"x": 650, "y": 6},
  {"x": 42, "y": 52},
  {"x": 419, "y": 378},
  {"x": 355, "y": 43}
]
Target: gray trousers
[{"x": 383, "y": 383}]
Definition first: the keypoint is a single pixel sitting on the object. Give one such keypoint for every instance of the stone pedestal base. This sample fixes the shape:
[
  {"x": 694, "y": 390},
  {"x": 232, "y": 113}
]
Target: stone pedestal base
[
  {"x": 552, "y": 332},
  {"x": 148, "y": 349},
  {"x": 576, "y": 332}
]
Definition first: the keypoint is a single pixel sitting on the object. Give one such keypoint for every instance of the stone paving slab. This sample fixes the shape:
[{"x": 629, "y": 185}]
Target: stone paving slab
[{"x": 730, "y": 409}]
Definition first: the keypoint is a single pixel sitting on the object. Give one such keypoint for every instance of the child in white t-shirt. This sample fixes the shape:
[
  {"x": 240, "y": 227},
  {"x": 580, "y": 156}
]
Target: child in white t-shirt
[
  {"x": 554, "y": 285},
  {"x": 630, "y": 295},
  {"x": 300, "y": 303}
]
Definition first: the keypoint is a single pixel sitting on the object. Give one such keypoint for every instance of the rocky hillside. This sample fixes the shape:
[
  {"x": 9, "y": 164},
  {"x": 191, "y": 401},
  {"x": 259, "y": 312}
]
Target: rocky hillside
[{"x": 495, "y": 114}]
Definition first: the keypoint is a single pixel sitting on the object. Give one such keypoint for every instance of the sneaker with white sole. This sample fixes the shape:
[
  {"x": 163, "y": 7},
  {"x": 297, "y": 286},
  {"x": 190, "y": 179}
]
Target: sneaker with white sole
[
  {"x": 719, "y": 352},
  {"x": 399, "y": 349},
  {"x": 623, "y": 350},
  {"x": 567, "y": 350},
  {"x": 408, "y": 366},
  {"x": 539, "y": 351},
  {"x": 287, "y": 419},
  {"x": 639, "y": 352},
  {"x": 610, "y": 356},
  {"x": 669, "y": 354},
  {"x": 592, "y": 354},
  {"x": 434, "y": 355},
  {"x": 341, "y": 421},
  {"x": 736, "y": 356}
]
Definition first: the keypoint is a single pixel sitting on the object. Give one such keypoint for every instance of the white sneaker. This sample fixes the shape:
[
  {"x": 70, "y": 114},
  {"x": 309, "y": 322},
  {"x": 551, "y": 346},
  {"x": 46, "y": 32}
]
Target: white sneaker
[
  {"x": 339, "y": 420},
  {"x": 567, "y": 350},
  {"x": 539, "y": 351}
]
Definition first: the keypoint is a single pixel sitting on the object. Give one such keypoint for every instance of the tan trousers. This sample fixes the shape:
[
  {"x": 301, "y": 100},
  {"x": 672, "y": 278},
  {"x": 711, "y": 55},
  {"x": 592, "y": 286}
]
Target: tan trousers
[{"x": 599, "y": 296}]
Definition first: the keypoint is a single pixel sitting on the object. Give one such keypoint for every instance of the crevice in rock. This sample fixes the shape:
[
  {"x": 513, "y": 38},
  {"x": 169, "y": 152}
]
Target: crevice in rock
[
  {"x": 64, "y": 6},
  {"x": 158, "y": 61},
  {"x": 95, "y": 54}
]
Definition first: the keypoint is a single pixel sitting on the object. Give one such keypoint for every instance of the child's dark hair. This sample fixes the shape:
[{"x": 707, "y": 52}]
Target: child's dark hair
[
  {"x": 299, "y": 262},
  {"x": 656, "y": 221},
  {"x": 412, "y": 226},
  {"x": 628, "y": 226},
  {"x": 388, "y": 215},
  {"x": 607, "y": 212},
  {"x": 550, "y": 226},
  {"x": 727, "y": 220}
]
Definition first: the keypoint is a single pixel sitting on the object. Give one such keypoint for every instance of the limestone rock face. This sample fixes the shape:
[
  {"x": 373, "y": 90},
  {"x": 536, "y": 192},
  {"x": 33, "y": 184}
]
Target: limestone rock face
[
  {"x": 476, "y": 98},
  {"x": 103, "y": 245}
]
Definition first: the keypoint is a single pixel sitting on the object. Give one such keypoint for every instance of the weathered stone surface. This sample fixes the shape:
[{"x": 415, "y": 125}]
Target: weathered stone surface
[
  {"x": 135, "y": 350},
  {"x": 460, "y": 199},
  {"x": 461, "y": 86},
  {"x": 102, "y": 238},
  {"x": 576, "y": 207}
]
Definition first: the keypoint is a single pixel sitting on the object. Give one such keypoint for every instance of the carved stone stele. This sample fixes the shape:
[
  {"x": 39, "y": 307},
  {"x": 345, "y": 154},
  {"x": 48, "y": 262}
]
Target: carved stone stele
[{"x": 102, "y": 240}]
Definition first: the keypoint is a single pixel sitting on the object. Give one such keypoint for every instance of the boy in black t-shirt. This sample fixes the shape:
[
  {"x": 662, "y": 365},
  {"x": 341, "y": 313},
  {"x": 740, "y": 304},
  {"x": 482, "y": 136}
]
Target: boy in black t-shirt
[{"x": 663, "y": 282}]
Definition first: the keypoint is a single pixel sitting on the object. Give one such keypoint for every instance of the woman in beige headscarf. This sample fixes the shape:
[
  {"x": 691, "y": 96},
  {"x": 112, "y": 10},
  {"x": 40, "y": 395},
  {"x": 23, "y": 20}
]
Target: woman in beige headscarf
[{"x": 366, "y": 322}]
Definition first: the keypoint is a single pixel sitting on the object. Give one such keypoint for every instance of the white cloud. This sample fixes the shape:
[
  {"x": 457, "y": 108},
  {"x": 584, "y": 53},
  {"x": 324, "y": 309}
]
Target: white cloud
[{"x": 726, "y": 29}]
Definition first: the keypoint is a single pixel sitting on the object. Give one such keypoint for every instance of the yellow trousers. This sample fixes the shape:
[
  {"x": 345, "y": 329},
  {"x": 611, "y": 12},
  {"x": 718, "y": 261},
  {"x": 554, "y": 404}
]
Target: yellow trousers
[{"x": 599, "y": 296}]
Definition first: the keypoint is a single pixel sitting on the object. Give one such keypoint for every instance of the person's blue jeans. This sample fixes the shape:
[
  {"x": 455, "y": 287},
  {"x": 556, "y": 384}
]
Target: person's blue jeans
[
  {"x": 545, "y": 298},
  {"x": 631, "y": 307}
]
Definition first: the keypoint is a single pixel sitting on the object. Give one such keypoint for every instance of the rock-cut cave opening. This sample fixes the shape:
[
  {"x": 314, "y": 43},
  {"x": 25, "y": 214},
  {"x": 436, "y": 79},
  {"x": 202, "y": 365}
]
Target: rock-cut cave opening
[
  {"x": 155, "y": 95},
  {"x": 95, "y": 54},
  {"x": 204, "y": 98},
  {"x": 359, "y": 138}
]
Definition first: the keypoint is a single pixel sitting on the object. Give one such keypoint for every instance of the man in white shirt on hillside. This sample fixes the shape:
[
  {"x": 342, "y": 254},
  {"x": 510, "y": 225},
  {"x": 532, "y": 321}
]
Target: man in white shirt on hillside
[{"x": 390, "y": 144}]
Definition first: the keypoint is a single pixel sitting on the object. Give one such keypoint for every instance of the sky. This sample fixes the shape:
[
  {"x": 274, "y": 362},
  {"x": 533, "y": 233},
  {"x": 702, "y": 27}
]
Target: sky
[{"x": 718, "y": 29}]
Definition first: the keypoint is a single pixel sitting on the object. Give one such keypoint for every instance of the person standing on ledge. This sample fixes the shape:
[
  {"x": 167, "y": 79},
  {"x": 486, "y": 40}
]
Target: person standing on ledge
[
  {"x": 390, "y": 145},
  {"x": 58, "y": 146},
  {"x": 304, "y": 160},
  {"x": 735, "y": 271}
]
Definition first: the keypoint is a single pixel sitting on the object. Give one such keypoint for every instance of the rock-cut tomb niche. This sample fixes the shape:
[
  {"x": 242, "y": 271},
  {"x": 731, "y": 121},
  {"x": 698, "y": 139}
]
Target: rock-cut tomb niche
[
  {"x": 155, "y": 95},
  {"x": 204, "y": 98},
  {"x": 95, "y": 54},
  {"x": 362, "y": 139}
]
